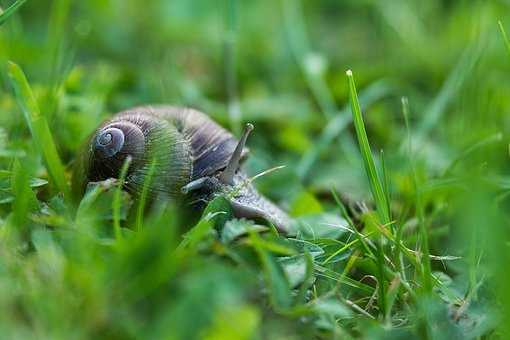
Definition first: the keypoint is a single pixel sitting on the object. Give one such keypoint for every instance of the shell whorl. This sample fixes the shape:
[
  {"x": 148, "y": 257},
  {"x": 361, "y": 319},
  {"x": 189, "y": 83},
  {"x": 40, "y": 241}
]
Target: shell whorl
[
  {"x": 111, "y": 145},
  {"x": 109, "y": 141}
]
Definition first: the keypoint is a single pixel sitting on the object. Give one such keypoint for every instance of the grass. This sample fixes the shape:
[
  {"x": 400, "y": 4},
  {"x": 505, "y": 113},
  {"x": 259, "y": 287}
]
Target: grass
[
  {"x": 116, "y": 203},
  {"x": 38, "y": 127},
  {"x": 400, "y": 199},
  {"x": 140, "y": 209},
  {"x": 424, "y": 247},
  {"x": 376, "y": 186},
  {"x": 4, "y": 15}
]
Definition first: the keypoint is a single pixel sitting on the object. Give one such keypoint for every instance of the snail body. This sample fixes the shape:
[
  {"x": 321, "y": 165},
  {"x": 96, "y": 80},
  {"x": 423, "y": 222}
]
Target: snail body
[{"x": 191, "y": 156}]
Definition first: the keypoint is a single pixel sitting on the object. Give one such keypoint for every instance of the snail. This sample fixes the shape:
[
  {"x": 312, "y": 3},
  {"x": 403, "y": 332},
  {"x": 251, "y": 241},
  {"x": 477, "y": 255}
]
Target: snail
[{"x": 191, "y": 156}]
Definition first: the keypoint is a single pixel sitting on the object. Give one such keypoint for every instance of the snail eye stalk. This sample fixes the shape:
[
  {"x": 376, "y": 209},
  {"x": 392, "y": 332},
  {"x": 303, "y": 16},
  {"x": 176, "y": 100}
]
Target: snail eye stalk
[
  {"x": 227, "y": 176},
  {"x": 109, "y": 142}
]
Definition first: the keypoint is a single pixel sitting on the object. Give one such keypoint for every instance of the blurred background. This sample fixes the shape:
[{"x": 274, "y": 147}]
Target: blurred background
[
  {"x": 278, "y": 64},
  {"x": 281, "y": 65}
]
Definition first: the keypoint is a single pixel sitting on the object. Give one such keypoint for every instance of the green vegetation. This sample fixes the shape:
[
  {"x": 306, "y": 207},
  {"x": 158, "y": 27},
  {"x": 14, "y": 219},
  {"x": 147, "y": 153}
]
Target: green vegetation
[{"x": 397, "y": 173}]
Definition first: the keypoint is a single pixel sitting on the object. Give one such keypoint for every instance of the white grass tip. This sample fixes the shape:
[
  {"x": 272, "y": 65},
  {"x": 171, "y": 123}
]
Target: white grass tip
[{"x": 348, "y": 73}]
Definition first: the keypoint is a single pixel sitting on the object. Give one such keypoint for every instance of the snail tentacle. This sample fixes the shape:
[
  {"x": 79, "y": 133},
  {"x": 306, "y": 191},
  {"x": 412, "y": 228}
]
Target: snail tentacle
[{"x": 227, "y": 176}]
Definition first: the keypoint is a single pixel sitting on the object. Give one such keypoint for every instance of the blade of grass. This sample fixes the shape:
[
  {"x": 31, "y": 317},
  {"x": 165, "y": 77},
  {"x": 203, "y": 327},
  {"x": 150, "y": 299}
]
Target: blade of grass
[
  {"x": 143, "y": 196},
  {"x": 38, "y": 127},
  {"x": 385, "y": 181},
  {"x": 200, "y": 231},
  {"x": 345, "y": 280},
  {"x": 280, "y": 290},
  {"x": 345, "y": 247},
  {"x": 60, "y": 55},
  {"x": 84, "y": 210},
  {"x": 23, "y": 194},
  {"x": 273, "y": 247},
  {"x": 10, "y": 11},
  {"x": 116, "y": 204},
  {"x": 376, "y": 185},
  {"x": 399, "y": 256},
  {"x": 308, "y": 280},
  {"x": 425, "y": 258},
  {"x": 505, "y": 36},
  {"x": 392, "y": 295},
  {"x": 346, "y": 216}
]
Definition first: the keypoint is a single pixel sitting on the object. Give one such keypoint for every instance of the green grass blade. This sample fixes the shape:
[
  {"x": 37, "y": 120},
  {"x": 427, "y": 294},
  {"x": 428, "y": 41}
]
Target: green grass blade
[
  {"x": 39, "y": 127},
  {"x": 143, "y": 196},
  {"x": 199, "y": 232},
  {"x": 505, "y": 36},
  {"x": 376, "y": 185},
  {"x": 325, "y": 272},
  {"x": 353, "y": 227},
  {"x": 308, "y": 280},
  {"x": 117, "y": 198},
  {"x": 24, "y": 196},
  {"x": 280, "y": 290},
  {"x": 10, "y": 11},
  {"x": 84, "y": 210},
  {"x": 60, "y": 56},
  {"x": 425, "y": 258},
  {"x": 385, "y": 184}
]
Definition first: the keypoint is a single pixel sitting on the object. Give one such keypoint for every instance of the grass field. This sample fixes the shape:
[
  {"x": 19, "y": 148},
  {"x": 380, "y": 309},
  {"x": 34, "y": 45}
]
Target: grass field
[{"x": 401, "y": 106}]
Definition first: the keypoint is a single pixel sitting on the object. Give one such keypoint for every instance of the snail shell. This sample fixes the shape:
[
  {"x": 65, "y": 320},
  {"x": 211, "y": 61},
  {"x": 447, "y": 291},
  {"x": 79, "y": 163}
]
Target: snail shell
[
  {"x": 184, "y": 143},
  {"x": 184, "y": 146}
]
